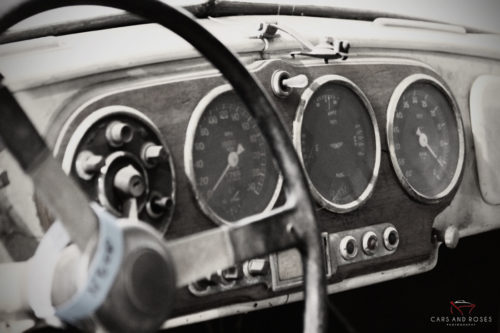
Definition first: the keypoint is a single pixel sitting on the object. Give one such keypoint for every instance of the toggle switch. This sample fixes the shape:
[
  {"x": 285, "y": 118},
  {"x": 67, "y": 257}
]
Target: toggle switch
[
  {"x": 282, "y": 83},
  {"x": 298, "y": 81}
]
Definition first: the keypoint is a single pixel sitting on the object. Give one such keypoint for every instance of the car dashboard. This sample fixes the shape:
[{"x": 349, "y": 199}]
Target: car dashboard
[{"x": 390, "y": 185}]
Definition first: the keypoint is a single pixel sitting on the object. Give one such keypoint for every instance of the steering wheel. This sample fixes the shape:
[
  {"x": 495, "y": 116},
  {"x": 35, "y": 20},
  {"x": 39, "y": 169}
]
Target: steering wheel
[{"x": 128, "y": 304}]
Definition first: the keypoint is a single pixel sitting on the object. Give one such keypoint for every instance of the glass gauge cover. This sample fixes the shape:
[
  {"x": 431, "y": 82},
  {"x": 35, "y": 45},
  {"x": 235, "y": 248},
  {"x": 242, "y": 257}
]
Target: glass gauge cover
[
  {"x": 425, "y": 136},
  {"x": 336, "y": 135},
  {"x": 228, "y": 160}
]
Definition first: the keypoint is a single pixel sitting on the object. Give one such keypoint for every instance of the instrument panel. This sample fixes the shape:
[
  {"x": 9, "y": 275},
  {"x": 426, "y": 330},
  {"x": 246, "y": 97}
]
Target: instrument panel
[{"x": 224, "y": 171}]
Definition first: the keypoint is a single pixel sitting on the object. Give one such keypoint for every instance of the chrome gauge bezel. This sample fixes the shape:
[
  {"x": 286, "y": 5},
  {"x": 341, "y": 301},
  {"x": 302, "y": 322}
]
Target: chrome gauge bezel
[
  {"x": 391, "y": 110},
  {"x": 94, "y": 117},
  {"x": 297, "y": 141},
  {"x": 188, "y": 157}
]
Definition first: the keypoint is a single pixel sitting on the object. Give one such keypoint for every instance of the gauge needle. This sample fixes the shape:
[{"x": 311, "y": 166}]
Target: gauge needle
[
  {"x": 232, "y": 161},
  {"x": 424, "y": 143}
]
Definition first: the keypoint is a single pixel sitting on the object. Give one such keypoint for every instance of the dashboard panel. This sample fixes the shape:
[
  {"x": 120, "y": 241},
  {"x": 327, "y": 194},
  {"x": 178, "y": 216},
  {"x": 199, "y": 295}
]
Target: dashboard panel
[
  {"x": 261, "y": 278},
  {"x": 367, "y": 236}
]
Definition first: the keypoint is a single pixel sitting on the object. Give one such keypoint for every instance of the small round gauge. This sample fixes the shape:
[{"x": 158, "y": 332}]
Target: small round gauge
[
  {"x": 337, "y": 138},
  {"x": 425, "y": 136},
  {"x": 228, "y": 160}
]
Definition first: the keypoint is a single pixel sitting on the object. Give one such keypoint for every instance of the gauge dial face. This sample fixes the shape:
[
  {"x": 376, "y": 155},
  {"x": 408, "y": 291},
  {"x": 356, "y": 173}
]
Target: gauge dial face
[
  {"x": 425, "y": 137},
  {"x": 230, "y": 167},
  {"x": 338, "y": 141}
]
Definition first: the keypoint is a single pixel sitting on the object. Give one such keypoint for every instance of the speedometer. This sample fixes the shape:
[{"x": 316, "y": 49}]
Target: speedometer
[
  {"x": 227, "y": 159},
  {"x": 337, "y": 138},
  {"x": 425, "y": 136}
]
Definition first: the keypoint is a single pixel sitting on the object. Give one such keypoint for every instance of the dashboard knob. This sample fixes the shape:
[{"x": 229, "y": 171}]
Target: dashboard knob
[
  {"x": 130, "y": 181},
  {"x": 449, "y": 236},
  {"x": 118, "y": 133},
  {"x": 391, "y": 238},
  {"x": 282, "y": 83},
  {"x": 348, "y": 247},
  {"x": 151, "y": 154},
  {"x": 370, "y": 242},
  {"x": 87, "y": 164},
  {"x": 158, "y": 205},
  {"x": 256, "y": 267},
  {"x": 298, "y": 81}
]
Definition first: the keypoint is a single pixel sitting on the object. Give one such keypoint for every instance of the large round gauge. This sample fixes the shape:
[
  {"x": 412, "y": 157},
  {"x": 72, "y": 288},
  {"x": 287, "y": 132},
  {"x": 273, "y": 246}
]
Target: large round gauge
[
  {"x": 337, "y": 138},
  {"x": 425, "y": 137},
  {"x": 228, "y": 160}
]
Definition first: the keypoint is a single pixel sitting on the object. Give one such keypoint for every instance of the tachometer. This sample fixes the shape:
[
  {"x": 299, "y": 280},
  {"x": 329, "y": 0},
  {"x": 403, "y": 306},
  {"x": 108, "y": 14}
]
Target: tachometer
[
  {"x": 227, "y": 159},
  {"x": 425, "y": 136},
  {"x": 337, "y": 138}
]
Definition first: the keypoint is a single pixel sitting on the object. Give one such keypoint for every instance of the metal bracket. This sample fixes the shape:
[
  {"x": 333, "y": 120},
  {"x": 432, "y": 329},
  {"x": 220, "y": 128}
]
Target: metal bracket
[{"x": 328, "y": 48}]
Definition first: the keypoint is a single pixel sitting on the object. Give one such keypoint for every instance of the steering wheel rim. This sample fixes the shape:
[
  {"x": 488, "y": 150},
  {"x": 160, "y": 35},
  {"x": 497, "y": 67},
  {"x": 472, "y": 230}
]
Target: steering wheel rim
[{"x": 303, "y": 226}]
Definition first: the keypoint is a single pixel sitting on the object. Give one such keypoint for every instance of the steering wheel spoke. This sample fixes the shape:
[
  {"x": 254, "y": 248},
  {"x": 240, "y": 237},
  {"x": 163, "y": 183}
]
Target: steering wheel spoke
[{"x": 201, "y": 254}]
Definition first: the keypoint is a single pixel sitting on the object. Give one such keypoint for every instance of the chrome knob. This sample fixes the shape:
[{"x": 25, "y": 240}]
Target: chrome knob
[
  {"x": 152, "y": 153},
  {"x": 369, "y": 243},
  {"x": 391, "y": 238},
  {"x": 130, "y": 181},
  {"x": 87, "y": 164},
  {"x": 449, "y": 236},
  {"x": 298, "y": 81},
  {"x": 158, "y": 205},
  {"x": 348, "y": 247},
  {"x": 118, "y": 133},
  {"x": 282, "y": 83}
]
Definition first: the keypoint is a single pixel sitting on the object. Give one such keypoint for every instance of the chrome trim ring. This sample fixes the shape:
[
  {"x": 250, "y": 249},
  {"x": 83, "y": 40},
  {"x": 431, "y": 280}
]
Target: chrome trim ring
[
  {"x": 366, "y": 245},
  {"x": 188, "y": 157},
  {"x": 391, "y": 111},
  {"x": 343, "y": 247},
  {"x": 297, "y": 132},
  {"x": 113, "y": 110},
  {"x": 386, "y": 235}
]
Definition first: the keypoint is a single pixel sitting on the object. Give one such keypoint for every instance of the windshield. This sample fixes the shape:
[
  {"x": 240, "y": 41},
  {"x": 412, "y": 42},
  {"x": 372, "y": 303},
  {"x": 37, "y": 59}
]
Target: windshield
[{"x": 478, "y": 15}]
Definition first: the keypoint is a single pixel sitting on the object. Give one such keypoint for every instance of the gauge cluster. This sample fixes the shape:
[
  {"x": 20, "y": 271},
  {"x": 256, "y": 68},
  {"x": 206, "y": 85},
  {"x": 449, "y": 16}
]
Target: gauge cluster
[{"x": 381, "y": 143}]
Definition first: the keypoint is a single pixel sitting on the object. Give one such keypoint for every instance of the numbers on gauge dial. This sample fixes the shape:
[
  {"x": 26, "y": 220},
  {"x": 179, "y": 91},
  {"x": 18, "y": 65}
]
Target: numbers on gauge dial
[
  {"x": 337, "y": 144},
  {"x": 425, "y": 139},
  {"x": 233, "y": 169}
]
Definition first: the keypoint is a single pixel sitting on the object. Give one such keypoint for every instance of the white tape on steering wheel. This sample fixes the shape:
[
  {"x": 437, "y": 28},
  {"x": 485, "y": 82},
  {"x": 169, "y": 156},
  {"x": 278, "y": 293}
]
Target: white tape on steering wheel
[
  {"x": 100, "y": 275},
  {"x": 102, "y": 271},
  {"x": 42, "y": 269}
]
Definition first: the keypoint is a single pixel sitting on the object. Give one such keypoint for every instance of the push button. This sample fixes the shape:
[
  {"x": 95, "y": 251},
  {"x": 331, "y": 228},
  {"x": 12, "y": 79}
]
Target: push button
[{"x": 370, "y": 243}]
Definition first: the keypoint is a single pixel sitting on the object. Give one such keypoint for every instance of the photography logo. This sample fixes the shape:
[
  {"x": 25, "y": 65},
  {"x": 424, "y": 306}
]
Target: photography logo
[
  {"x": 461, "y": 307},
  {"x": 462, "y": 313}
]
